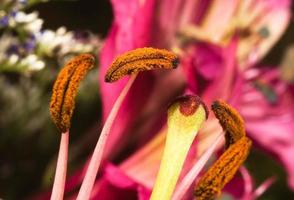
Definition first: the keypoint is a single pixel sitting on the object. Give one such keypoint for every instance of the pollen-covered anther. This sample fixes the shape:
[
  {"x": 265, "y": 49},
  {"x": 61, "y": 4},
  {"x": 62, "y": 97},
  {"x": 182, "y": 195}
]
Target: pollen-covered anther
[
  {"x": 223, "y": 170},
  {"x": 230, "y": 120},
  {"x": 141, "y": 59},
  {"x": 65, "y": 89}
]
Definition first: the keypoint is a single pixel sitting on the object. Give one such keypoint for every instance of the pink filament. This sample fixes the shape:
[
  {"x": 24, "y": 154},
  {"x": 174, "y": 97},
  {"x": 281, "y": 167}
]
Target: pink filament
[
  {"x": 263, "y": 187},
  {"x": 95, "y": 161},
  {"x": 61, "y": 168}
]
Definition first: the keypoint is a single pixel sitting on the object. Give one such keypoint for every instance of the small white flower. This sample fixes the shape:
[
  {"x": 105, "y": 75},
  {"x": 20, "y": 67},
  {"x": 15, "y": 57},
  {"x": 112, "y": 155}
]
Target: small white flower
[
  {"x": 34, "y": 26},
  {"x": 47, "y": 41},
  {"x": 13, "y": 59},
  {"x": 22, "y": 17},
  {"x": 2, "y": 13},
  {"x": 38, "y": 65},
  {"x": 32, "y": 62},
  {"x": 61, "y": 31}
]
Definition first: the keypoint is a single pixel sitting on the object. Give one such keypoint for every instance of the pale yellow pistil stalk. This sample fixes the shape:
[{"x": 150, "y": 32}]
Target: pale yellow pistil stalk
[{"x": 185, "y": 117}]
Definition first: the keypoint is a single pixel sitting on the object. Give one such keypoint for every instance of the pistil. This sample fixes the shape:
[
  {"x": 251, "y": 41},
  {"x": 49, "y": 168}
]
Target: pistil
[{"x": 185, "y": 117}]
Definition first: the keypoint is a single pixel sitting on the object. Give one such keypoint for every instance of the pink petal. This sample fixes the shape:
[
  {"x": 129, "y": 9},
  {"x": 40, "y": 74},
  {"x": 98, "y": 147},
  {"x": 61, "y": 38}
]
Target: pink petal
[
  {"x": 242, "y": 187},
  {"x": 131, "y": 29},
  {"x": 128, "y": 15},
  {"x": 208, "y": 60},
  {"x": 235, "y": 187},
  {"x": 220, "y": 64},
  {"x": 133, "y": 104},
  {"x": 116, "y": 185},
  {"x": 271, "y": 124},
  {"x": 276, "y": 19},
  {"x": 218, "y": 16}
]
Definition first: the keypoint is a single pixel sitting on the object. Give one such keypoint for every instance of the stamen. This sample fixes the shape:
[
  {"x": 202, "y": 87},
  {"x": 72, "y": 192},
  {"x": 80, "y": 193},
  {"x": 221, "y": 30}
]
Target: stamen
[
  {"x": 223, "y": 170},
  {"x": 92, "y": 170},
  {"x": 65, "y": 89},
  {"x": 185, "y": 117},
  {"x": 129, "y": 63},
  {"x": 237, "y": 150},
  {"x": 230, "y": 120},
  {"x": 141, "y": 59},
  {"x": 61, "y": 109}
]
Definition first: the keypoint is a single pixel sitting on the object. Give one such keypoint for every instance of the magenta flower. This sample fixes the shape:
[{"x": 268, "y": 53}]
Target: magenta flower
[
  {"x": 142, "y": 24},
  {"x": 219, "y": 44}
]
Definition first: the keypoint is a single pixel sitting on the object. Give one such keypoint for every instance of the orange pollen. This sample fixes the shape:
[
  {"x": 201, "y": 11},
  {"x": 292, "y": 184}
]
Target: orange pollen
[
  {"x": 223, "y": 170},
  {"x": 141, "y": 59},
  {"x": 230, "y": 120},
  {"x": 65, "y": 89}
]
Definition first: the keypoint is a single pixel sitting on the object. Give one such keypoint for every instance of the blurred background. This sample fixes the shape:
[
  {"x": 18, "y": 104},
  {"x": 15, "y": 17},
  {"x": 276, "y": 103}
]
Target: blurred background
[{"x": 36, "y": 38}]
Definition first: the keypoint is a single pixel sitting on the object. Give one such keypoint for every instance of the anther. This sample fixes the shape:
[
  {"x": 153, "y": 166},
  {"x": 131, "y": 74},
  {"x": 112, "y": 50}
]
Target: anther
[
  {"x": 223, "y": 170},
  {"x": 65, "y": 89},
  {"x": 141, "y": 59},
  {"x": 230, "y": 120}
]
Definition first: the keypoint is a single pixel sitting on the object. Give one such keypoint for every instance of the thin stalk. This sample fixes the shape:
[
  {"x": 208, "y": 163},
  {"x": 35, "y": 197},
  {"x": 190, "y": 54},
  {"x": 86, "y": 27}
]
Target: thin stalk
[
  {"x": 61, "y": 168},
  {"x": 91, "y": 173},
  {"x": 263, "y": 187},
  {"x": 190, "y": 177}
]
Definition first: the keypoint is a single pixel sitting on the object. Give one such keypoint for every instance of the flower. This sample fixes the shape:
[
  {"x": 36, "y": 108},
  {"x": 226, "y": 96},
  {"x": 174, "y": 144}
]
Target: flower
[
  {"x": 218, "y": 59},
  {"x": 34, "y": 47},
  {"x": 179, "y": 127},
  {"x": 225, "y": 61}
]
